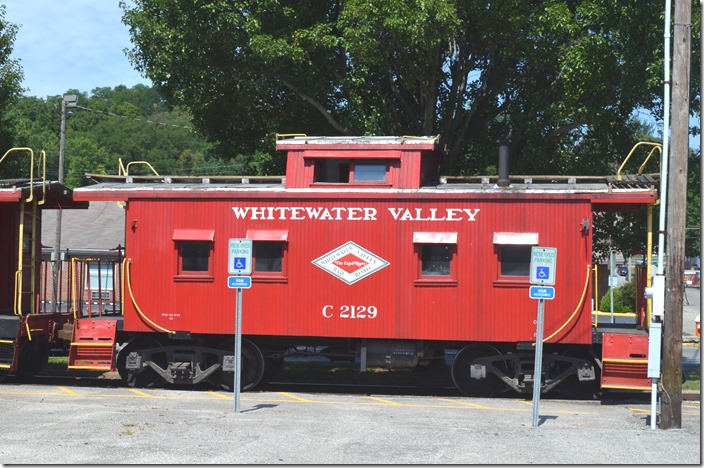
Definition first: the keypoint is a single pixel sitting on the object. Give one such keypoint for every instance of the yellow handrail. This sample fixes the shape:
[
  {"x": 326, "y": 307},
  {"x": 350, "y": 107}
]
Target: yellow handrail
[
  {"x": 73, "y": 288},
  {"x": 31, "y": 168},
  {"x": 126, "y": 271},
  {"x": 656, "y": 146},
  {"x": 577, "y": 309},
  {"x": 596, "y": 296},
  {"x": 42, "y": 157},
  {"x": 281, "y": 136},
  {"x": 125, "y": 170},
  {"x": 433, "y": 139}
]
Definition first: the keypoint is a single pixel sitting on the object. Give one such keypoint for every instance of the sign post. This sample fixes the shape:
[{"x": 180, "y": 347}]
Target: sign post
[
  {"x": 543, "y": 262},
  {"x": 239, "y": 262}
]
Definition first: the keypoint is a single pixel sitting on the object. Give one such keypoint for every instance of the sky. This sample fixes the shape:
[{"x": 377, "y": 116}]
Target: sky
[
  {"x": 77, "y": 44},
  {"x": 71, "y": 44}
]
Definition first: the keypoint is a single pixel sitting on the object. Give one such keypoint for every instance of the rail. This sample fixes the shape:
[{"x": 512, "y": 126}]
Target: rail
[
  {"x": 125, "y": 170},
  {"x": 80, "y": 273},
  {"x": 24, "y": 226},
  {"x": 41, "y": 167},
  {"x": 655, "y": 146}
]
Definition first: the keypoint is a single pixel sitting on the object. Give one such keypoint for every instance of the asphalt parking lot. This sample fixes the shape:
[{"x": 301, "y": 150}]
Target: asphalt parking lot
[{"x": 45, "y": 424}]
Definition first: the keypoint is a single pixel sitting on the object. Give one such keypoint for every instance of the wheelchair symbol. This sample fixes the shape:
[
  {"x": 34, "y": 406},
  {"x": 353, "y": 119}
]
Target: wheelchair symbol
[
  {"x": 543, "y": 272},
  {"x": 240, "y": 263}
]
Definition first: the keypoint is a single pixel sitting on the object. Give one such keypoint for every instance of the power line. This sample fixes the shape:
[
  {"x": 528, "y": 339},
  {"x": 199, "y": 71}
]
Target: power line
[{"x": 133, "y": 118}]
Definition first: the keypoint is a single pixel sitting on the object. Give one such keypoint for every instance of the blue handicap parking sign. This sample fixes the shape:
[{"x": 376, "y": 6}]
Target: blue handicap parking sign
[
  {"x": 542, "y": 272},
  {"x": 239, "y": 263}
]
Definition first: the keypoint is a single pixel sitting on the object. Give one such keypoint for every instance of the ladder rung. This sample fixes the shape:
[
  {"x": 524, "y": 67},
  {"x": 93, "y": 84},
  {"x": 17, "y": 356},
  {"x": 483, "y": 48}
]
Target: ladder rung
[
  {"x": 629, "y": 361},
  {"x": 107, "y": 367},
  {"x": 92, "y": 344}
]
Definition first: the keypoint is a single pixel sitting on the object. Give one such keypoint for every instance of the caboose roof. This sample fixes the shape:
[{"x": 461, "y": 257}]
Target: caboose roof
[
  {"x": 298, "y": 142},
  {"x": 601, "y": 191},
  {"x": 54, "y": 194}
]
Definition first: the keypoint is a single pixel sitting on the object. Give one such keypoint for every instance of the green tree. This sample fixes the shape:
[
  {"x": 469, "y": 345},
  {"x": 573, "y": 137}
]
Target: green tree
[
  {"x": 110, "y": 124},
  {"x": 11, "y": 76},
  {"x": 693, "y": 245},
  {"x": 561, "y": 79},
  {"x": 624, "y": 299}
]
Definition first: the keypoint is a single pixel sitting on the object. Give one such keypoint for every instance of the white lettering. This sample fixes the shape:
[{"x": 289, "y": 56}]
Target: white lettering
[
  {"x": 257, "y": 212},
  {"x": 418, "y": 215},
  {"x": 471, "y": 213},
  {"x": 432, "y": 215},
  {"x": 395, "y": 213},
  {"x": 451, "y": 214},
  {"x": 313, "y": 212},
  {"x": 339, "y": 213},
  {"x": 350, "y": 311},
  {"x": 352, "y": 214},
  {"x": 325, "y": 311},
  {"x": 240, "y": 213},
  {"x": 297, "y": 212}
]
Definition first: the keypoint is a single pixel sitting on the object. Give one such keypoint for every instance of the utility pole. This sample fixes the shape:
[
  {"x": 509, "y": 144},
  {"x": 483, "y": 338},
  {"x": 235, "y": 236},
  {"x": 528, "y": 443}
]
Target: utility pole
[
  {"x": 70, "y": 100},
  {"x": 671, "y": 406}
]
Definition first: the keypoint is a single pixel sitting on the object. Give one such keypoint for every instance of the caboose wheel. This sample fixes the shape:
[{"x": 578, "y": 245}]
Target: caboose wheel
[
  {"x": 582, "y": 389},
  {"x": 471, "y": 374},
  {"x": 145, "y": 376},
  {"x": 253, "y": 366}
]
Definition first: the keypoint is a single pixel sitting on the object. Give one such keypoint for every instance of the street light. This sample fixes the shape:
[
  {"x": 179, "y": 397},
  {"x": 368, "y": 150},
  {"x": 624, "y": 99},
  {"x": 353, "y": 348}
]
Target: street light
[{"x": 69, "y": 101}]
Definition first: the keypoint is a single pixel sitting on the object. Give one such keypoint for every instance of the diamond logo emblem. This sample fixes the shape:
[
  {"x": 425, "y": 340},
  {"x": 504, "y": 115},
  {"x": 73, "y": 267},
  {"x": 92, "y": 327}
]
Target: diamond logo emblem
[{"x": 350, "y": 263}]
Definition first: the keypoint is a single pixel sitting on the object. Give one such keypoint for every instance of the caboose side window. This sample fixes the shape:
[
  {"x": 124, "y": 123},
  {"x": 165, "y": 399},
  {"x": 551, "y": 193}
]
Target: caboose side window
[
  {"x": 370, "y": 171},
  {"x": 334, "y": 171},
  {"x": 435, "y": 259},
  {"x": 350, "y": 171},
  {"x": 268, "y": 257},
  {"x": 195, "y": 257},
  {"x": 513, "y": 249},
  {"x": 269, "y": 249},
  {"x": 436, "y": 253},
  {"x": 515, "y": 260},
  {"x": 194, "y": 249}
]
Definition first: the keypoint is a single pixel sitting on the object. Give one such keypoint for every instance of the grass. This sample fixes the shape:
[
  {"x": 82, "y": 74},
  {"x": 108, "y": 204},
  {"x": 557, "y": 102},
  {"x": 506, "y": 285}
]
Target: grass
[{"x": 693, "y": 381}]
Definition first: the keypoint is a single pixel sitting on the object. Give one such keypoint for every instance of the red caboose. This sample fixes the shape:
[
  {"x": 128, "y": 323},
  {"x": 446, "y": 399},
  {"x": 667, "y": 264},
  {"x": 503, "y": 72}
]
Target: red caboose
[
  {"x": 364, "y": 251},
  {"x": 27, "y": 325}
]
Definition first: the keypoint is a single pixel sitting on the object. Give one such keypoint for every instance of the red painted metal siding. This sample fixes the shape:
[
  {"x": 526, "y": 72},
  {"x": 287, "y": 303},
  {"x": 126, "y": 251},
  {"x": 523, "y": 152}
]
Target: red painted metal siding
[{"x": 477, "y": 307}]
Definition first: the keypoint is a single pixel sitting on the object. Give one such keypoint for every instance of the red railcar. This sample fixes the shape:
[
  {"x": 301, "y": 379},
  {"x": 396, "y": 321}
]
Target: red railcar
[
  {"x": 27, "y": 326},
  {"x": 362, "y": 250}
]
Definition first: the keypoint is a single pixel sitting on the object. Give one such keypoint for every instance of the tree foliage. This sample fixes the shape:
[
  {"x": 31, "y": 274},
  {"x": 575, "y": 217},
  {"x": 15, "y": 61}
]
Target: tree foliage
[
  {"x": 624, "y": 299},
  {"x": 11, "y": 76},
  {"x": 131, "y": 124},
  {"x": 560, "y": 79}
]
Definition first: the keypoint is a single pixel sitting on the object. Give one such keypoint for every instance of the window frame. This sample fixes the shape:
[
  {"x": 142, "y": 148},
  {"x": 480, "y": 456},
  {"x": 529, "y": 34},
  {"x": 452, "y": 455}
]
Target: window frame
[
  {"x": 271, "y": 236},
  {"x": 351, "y": 165},
  {"x": 512, "y": 239},
  {"x": 423, "y": 240},
  {"x": 182, "y": 238}
]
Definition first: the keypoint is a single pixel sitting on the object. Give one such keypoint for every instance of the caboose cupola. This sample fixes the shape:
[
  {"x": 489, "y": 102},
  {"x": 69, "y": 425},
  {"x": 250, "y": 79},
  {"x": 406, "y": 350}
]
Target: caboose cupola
[{"x": 360, "y": 162}]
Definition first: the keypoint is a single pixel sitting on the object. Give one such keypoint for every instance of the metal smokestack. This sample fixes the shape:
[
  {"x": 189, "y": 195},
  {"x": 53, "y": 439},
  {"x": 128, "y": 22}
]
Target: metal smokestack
[{"x": 504, "y": 164}]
